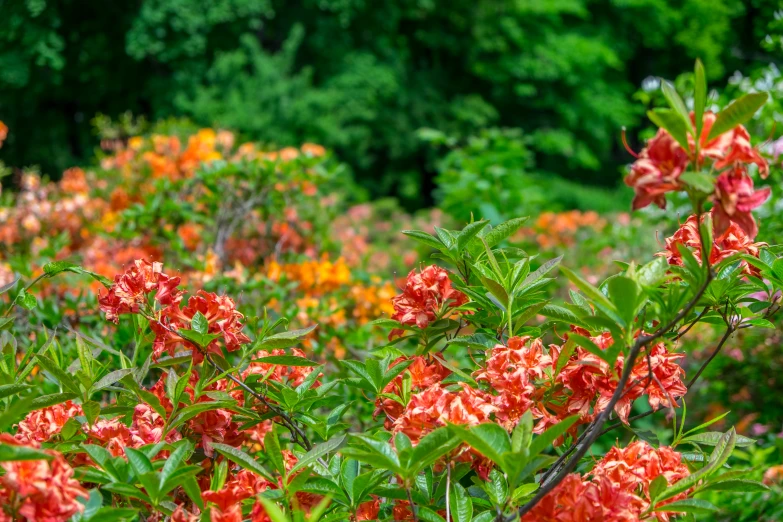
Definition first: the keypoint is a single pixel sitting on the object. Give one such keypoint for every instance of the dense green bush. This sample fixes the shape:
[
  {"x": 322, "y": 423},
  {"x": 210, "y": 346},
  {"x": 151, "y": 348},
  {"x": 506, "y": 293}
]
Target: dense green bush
[{"x": 361, "y": 77}]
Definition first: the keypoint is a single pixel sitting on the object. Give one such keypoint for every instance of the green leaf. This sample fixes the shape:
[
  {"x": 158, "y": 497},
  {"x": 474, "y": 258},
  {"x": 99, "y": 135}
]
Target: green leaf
[
  {"x": 111, "y": 378},
  {"x": 503, "y": 231},
  {"x": 523, "y": 433},
  {"x": 625, "y": 294},
  {"x": 241, "y": 458},
  {"x": 544, "y": 440},
  {"x": 50, "y": 400},
  {"x": 712, "y": 438},
  {"x": 675, "y": 102},
  {"x": 467, "y": 234},
  {"x": 594, "y": 294},
  {"x": 658, "y": 486},
  {"x": 541, "y": 271},
  {"x": 7, "y": 390},
  {"x": 700, "y": 181},
  {"x": 564, "y": 315},
  {"x": 113, "y": 514},
  {"x": 699, "y": 95},
  {"x": 191, "y": 411},
  {"x": 591, "y": 347},
  {"x": 427, "y": 239},
  {"x": 26, "y": 300},
  {"x": 286, "y": 360},
  {"x": 432, "y": 447},
  {"x": 695, "y": 506},
  {"x": 316, "y": 452},
  {"x": 285, "y": 339},
  {"x": 272, "y": 510},
  {"x": 138, "y": 461},
  {"x": 670, "y": 121},
  {"x": 461, "y": 504},
  {"x": 739, "y": 112},
  {"x": 199, "y": 323},
  {"x": 651, "y": 274},
  {"x": 15, "y": 453},
  {"x": 91, "y": 410},
  {"x": 489, "y": 439},
  {"x": 173, "y": 462},
  {"x": 738, "y": 485}
]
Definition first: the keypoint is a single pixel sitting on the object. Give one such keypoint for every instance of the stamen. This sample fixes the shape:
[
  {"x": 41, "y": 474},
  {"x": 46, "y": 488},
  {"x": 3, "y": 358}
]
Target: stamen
[{"x": 625, "y": 144}]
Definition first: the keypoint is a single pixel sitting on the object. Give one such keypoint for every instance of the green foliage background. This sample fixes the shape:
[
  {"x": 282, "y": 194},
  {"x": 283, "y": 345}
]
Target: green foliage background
[{"x": 362, "y": 77}]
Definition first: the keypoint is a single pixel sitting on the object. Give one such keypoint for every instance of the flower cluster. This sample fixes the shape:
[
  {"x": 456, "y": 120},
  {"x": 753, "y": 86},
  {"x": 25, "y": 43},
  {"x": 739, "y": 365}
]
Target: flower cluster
[
  {"x": 659, "y": 167},
  {"x": 734, "y": 240},
  {"x": 426, "y": 295},
  {"x": 42, "y": 490},
  {"x": 617, "y": 489}
]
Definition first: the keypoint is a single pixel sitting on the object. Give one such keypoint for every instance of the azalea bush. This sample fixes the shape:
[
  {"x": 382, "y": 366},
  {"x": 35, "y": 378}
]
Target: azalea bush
[{"x": 210, "y": 332}]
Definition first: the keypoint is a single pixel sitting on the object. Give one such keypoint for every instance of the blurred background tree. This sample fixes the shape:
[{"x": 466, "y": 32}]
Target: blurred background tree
[{"x": 363, "y": 76}]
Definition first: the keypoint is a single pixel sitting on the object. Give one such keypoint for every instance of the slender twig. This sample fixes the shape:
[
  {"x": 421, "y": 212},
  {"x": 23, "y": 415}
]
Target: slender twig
[
  {"x": 448, "y": 491},
  {"x": 296, "y": 432},
  {"x": 412, "y": 505}
]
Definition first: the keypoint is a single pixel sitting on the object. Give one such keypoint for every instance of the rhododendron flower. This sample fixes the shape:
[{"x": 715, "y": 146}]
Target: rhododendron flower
[
  {"x": 436, "y": 406},
  {"x": 589, "y": 378},
  {"x": 39, "y": 490},
  {"x": 114, "y": 435},
  {"x": 227, "y": 503},
  {"x": 735, "y": 198},
  {"x": 130, "y": 289},
  {"x": 222, "y": 317},
  {"x": 182, "y": 515},
  {"x": 216, "y": 426},
  {"x": 638, "y": 464},
  {"x": 512, "y": 371},
  {"x": 618, "y": 489},
  {"x": 657, "y": 171},
  {"x": 424, "y": 296},
  {"x": 732, "y": 241},
  {"x": 423, "y": 373},
  {"x": 740, "y": 152},
  {"x": 577, "y": 500},
  {"x": 41, "y": 425},
  {"x": 368, "y": 510}
]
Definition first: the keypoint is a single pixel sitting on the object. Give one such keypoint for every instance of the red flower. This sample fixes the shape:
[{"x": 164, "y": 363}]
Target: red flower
[
  {"x": 735, "y": 198},
  {"x": 114, "y": 436},
  {"x": 423, "y": 298},
  {"x": 39, "y": 490},
  {"x": 42, "y": 425},
  {"x": 741, "y": 153},
  {"x": 368, "y": 510},
  {"x": 637, "y": 465},
  {"x": 657, "y": 170},
  {"x": 435, "y": 406},
  {"x": 222, "y": 317},
  {"x": 216, "y": 426},
  {"x": 423, "y": 374},
  {"x": 182, "y": 515},
  {"x": 227, "y": 503},
  {"x": 577, "y": 500},
  {"x": 130, "y": 289},
  {"x": 732, "y": 241}
]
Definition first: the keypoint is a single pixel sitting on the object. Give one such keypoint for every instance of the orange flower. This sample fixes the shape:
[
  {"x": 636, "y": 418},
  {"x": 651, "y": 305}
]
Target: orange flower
[
  {"x": 3, "y": 133},
  {"x": 657, "y": 170},
  {"x": 130, "y": 289},
  {"x": 424, "y": 295},
  {"x": 423, "y": 374},
  {"x": 42, "y": 425},
  {"x": 732, "y": 241},
  {"x": 39, "y": 490}
]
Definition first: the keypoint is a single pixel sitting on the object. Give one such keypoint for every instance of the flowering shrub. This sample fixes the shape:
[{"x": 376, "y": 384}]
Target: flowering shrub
[{"x": 471, "y": 395}]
